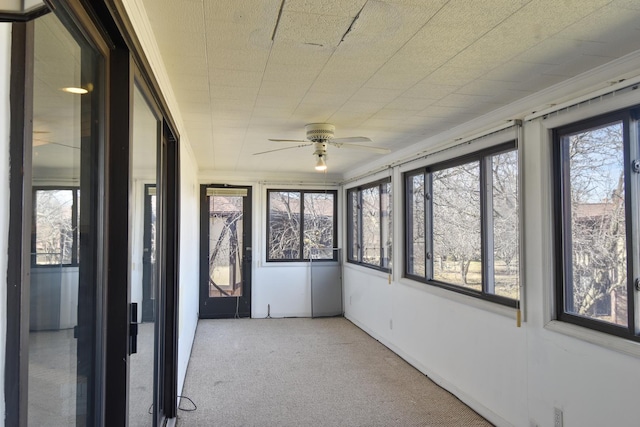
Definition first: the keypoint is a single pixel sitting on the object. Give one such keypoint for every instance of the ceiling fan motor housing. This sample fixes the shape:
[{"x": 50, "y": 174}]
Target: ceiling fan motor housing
[{"x": 318, "y": 132}]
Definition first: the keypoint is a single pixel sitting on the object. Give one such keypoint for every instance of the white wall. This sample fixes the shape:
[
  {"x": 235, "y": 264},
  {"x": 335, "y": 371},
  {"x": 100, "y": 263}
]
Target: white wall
[
  {"x": 189, "y": 260},
  {"x": 512, "y": 376},
  {"x": 5, "y": 61}
]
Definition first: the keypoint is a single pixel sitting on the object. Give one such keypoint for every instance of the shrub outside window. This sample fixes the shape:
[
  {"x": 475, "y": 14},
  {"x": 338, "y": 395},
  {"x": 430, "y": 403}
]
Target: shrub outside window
[
  {"x": 301, "y": 225},
  {"x": 369, "y": 226},
  {"x": 462, "y": 224},
  {"x": 596, "y": 224}
]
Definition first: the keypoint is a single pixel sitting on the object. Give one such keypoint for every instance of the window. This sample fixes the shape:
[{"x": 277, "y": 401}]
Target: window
[
  {"x": 596, "y": 223},
  {"x": 55, "y": 228},
  {"x": 369, "y": 225},
  {"x": 462, "y": 225},
  {"x": 301, "y": 225}
]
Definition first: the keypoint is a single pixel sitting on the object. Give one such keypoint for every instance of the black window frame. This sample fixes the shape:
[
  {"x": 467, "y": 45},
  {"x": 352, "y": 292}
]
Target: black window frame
[
  {"x": 356, "y": 229},
  {"x": 74, "y": 226},
  {"x": 563, "y": 265},
  {"x": 302, "y": 193},
  {"x": 486, "y": 232}
]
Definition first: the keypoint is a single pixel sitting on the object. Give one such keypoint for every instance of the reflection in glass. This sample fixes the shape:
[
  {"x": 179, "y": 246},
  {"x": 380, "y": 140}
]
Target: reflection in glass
[
  {"x": 144, "y": 281},
  {"x": 597, "y": 288},
  {"x": 456, "y": 226},
  {"x": 63, "y": 286}
]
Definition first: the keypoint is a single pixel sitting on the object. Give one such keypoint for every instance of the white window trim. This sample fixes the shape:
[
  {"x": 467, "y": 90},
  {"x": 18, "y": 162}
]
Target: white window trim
[{"x": 546, "y": 125}]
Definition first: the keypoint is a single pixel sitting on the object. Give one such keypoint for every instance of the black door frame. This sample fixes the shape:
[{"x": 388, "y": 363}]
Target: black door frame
[
  {"x": 148, "y": 307},
  {"x": 225, "y": 307}
]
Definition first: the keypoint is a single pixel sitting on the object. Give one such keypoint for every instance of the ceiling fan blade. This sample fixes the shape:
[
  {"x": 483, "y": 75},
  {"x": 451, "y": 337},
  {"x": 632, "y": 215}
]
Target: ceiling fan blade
[
  {"x": 280, "y": 149},
  {"x": 361, "y": 147},
  {"x": 289, "y": 140},
  {"x": 351, "y": 139}
]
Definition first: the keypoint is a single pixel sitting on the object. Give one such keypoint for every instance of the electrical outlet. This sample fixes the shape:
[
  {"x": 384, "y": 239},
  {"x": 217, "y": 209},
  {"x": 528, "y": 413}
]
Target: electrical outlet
[{"x": 557, "y": 417}]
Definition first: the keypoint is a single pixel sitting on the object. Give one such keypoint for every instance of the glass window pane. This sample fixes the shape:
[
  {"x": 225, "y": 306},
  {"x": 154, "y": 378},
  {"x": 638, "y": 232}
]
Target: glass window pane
[
  {"x": 354, "y": 225},
  {"x": 318, "y": 225},
  {"x": 53, "y": 227},
  {"x": 456, "y": 226},
  {"x": 386, "y": 224},
  {"x": 371, "y": 225},
  {"x": 416, "y": 214},
  {"x": 225, "y": 246},
  {"x": 284, "y": 225},
  {"x": 597, "y": 288},
  {"x": 505, "y": 224}
]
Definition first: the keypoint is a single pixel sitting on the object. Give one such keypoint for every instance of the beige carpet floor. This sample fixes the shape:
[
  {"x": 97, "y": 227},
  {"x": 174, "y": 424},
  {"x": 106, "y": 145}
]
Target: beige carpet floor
[{"x": 308, "y": 372}]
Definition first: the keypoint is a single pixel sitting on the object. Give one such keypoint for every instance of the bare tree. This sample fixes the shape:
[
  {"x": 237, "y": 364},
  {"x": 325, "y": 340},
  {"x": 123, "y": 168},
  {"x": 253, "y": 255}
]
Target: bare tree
[
  {"x": 598, "y": 245},
  {"x": 287, "y": 224},
  {"x": 456, "y": 219},
  {"x": 53, "y": 226}
]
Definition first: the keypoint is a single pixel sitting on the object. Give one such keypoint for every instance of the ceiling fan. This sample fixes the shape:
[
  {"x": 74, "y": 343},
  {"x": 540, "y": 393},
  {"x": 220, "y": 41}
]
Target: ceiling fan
[{"x": 320, "y": 135}]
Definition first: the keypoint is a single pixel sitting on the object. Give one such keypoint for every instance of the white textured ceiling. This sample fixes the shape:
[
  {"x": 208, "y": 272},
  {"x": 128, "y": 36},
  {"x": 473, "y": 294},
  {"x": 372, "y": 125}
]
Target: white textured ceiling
[{"x": 397, "y": 71}]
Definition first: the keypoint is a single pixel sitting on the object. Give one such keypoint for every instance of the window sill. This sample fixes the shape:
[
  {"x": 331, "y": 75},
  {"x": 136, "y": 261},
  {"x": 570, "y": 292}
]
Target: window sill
[
  {"x": 463, "y": 299},
  {"x": 611, "y": 342}
]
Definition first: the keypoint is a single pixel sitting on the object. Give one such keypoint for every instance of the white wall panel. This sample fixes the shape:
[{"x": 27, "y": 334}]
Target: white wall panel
[{"x": 189, "y": 260}]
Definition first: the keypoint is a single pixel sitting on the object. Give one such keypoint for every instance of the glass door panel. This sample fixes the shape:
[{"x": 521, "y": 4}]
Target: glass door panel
[
  {"x": 63, "y": 361},
  {"x": 225, "y": 245},
  {"x": 144, "y": 283},
  {"x": 226, "y": 277}
]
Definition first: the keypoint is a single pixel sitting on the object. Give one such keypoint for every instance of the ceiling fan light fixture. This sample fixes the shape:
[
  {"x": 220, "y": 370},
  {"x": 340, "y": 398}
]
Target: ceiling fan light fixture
[
  {"x": 321, "y": 165},
  {"x": 75, "y": 90}
]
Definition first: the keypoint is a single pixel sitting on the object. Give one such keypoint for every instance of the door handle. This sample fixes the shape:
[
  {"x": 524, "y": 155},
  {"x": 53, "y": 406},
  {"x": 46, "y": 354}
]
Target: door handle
[{"x": 133, "y": 328}]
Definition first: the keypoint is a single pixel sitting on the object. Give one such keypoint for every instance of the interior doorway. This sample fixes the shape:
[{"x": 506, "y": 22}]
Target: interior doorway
[{"x": 225, "y": 271}]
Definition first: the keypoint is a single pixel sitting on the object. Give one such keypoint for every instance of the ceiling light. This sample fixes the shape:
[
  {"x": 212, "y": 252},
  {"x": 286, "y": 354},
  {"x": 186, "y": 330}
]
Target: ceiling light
[
  {"x": 321, "y": 165},
  {"x": 76, "y": 90}
]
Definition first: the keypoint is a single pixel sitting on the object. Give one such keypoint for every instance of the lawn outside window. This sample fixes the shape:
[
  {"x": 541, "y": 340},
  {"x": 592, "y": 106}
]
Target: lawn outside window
[{"x": 462, "y": 226}]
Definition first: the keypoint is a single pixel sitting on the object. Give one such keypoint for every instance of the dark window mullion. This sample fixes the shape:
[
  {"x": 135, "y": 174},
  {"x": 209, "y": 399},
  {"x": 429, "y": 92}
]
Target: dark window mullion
[
  {"x": 428, "y": 225},
  {"x": 381, "y": 217},
  {"x": 74, "y": 227},
  {"x": 360, "y": 242},
  {"x": 565, "y": 294},
  {"x": 486, "y": 225},
  {"x": 631, "y": 152},
  {"x": 302, "y": 220}
]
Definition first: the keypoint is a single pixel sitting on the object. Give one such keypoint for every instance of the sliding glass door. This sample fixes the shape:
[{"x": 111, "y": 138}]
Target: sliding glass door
[{"x": 65, "y": 285}]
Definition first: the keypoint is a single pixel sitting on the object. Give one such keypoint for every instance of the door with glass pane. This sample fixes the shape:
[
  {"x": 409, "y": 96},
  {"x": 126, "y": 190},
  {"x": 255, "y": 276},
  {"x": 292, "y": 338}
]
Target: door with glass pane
[
  {"x": 65, "y": 284},
  {"x": 225, "y": 271}
]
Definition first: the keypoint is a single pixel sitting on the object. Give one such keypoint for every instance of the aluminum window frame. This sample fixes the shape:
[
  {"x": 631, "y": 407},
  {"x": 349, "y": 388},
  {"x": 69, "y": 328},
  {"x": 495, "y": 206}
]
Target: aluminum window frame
[
  {"x": 301, "y": 257},
  {"x": 483, "y": 157},
  {"x": 563, "y": 264},
  {"x": 358, "y": 258}
]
